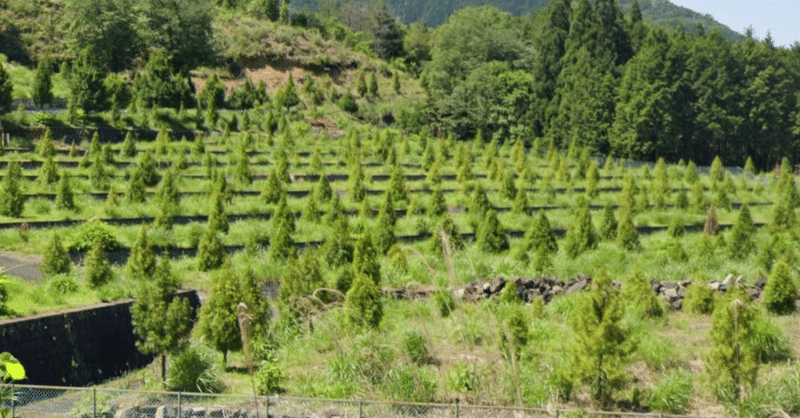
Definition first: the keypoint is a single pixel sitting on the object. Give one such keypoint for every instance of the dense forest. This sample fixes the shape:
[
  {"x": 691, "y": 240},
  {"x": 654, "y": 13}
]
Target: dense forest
[
  {"x": 658, "y": 12},
  {"x": 588, "y": 75}
]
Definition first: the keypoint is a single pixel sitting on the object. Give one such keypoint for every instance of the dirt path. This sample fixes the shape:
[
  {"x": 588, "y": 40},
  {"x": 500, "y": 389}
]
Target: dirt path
[{"x": 20, "y": 265}]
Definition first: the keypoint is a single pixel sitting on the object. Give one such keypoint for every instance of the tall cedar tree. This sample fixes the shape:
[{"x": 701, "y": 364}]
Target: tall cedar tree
[
  {"x": 148, "y": 168},
  {"x": 219, "y": 325},
  {"x": 780, "y": 292},
  {"x": 136, "y": 189},
  {"x": 158, "y": 86},
  {"x": 6, "y": 90},
  {"x": 581, "y": 234},
  {"x": 142, "y": 261},
  {"x": 43, "y": 83},
  {"x": 160, "y": 318},
  {"x": 56, "y": 259},
  {"x": 492, "y": 237},
  {"x": 96, "y": 270},
  {"x": 363, "y": 302},
  {"x": 604, "y": 343},
  {"x": 387, "y": 38},
  {"x": 437, "y": 206},
  {"x": 87, "y": 90},
  {"x": 286, "y": 96},
  {"x": 732, "y": 360},
  {"x": 397, "y": 185}
]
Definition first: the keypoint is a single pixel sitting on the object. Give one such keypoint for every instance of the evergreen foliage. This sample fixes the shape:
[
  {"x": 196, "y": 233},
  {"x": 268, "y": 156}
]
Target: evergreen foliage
[
  {"x": 218, "y": 219},
  {"x": 210, "y": 253},
  {"x": 48, "y": 173},
  {"x": 219, "y": 325},
  {"x": 365, "y": 260},
  {"x": 160, "y": 319},
  {"x": 608, "y": 224},
  {"x": 363, "y": 302},
  {"x": 581, "y": 234},
  {"x": 740, "y": 241},
  {"x": 301, "y": 280},
  {"x": 46, "y": 148},
  {"x": 638, "y": 293},
  {"x": 627, "y": 235},
  {"x": 129, "y": 146},
  {"x": 6, "y": 90},
  {"x": 603, "y": 342},
  {"x": 492, "y": 237},
  {"x": 158, "y": 86},
  {"x": 142, "y": 260},
  {"x": 732, "y": 361},
  {"x": 136, "y": 189},
  {"x": 56, "y": 259},
  {"x": 780, "y": 293},
  {"x": 97, "y": 272},
  {"x": 12, "y": 199}
]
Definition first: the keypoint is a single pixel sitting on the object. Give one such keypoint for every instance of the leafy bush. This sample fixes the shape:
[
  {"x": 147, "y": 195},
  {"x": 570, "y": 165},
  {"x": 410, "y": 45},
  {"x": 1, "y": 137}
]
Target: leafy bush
[
  {"x": 672, "y": 394},
  {"x": 700, "y": 298},
  {"x": 445, "y": 302},
  {"x": 91, "y": 232},
  {"x": 269, "y": 375},
  {"x": 193, "y": 370},
  {"x": 780, "y": 292},
  {"x": 63, "y": 285},
  {"x": 56, "y": 260},
  {"x": 769, "y": 341},
  {"x": 416, "y": 348}
]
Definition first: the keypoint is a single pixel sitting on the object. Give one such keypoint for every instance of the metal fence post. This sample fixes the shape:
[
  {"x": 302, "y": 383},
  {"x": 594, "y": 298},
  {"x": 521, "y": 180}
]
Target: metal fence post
[
  {"x": 94, "y": 403},
  {"x": 457, "y": 408},
  {"x": 360, "y": 410},
  {"x": 180, "y": 405},
  {"x": 13, "y": 402},
  {"x": 267, "y": 406},
  {"x": 557, "y": 413}
]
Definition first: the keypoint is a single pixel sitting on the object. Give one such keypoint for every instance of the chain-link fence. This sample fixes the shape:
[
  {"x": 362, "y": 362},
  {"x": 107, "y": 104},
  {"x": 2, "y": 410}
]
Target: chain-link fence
[{"x": 58, "y": 402}]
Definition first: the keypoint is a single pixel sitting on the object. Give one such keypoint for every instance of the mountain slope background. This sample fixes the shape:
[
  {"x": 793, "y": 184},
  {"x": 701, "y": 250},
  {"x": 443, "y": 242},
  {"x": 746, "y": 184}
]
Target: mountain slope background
[{"x": 659, "y": 12}]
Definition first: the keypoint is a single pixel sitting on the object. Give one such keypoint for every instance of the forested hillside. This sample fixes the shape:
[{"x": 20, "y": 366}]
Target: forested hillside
[
  {"x": 658, "y": 12},
  {"x": 588, "y": 75}
]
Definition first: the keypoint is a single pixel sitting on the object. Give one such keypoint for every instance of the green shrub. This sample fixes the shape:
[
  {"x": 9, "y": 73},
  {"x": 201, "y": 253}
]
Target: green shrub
[
  {"x": 444, "y": 302},
  {"x": 210, "y": 253},
  {"x": 638, "y": 293},
  {"x": 769, "y": 341},
  {"x": 63, "y": 285},
  {"x": 416, "y": 348},
  {"x": 269, "y": 375},
  {"x": 780, "y": 292},
  {"x": 700, "y": 298},
  {"x": 627, "y": 235},
  {"x": 96, "y": 270},
  {"x": 363, "y": 302},
  {"x": 55, "y": 260},
  {"x": 672, "y": 394},
  {"x": 492, "y": 237},
  {"x": 193, "y": 370},
  {"x": 91, "y": 232},
  {"x": 462, "y": 378}
]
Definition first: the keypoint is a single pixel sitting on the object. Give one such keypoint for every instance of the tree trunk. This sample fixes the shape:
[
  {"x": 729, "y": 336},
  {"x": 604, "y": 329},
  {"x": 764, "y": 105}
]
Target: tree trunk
[
  {"x": 164, "y": 368},
  {"x": 225, "y": 359}
]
